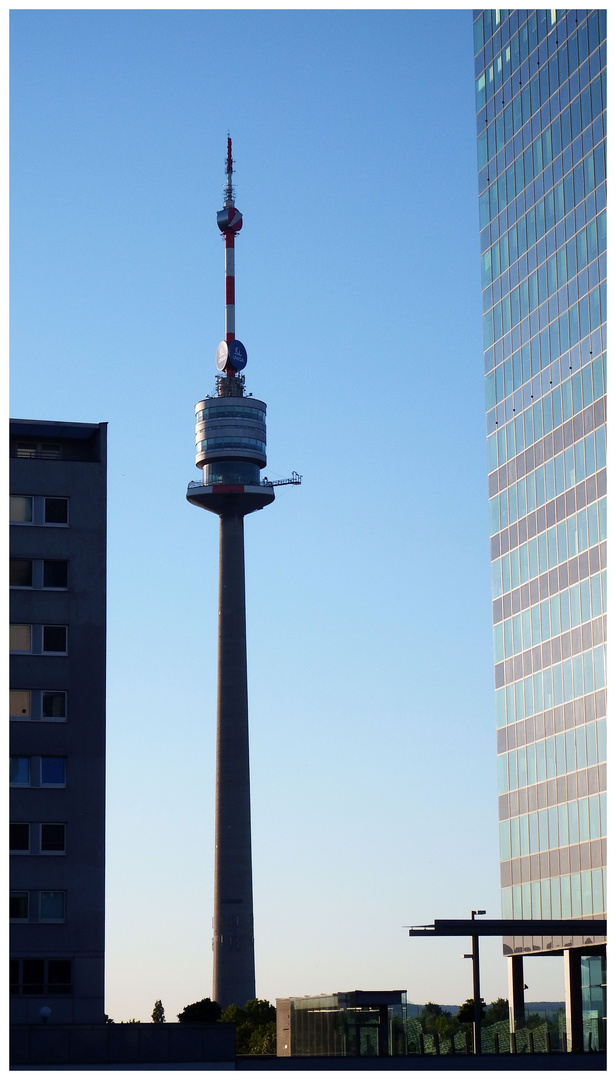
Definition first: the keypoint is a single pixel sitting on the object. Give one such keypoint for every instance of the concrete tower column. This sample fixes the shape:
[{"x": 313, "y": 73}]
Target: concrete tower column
[{"x": 233, "y": 942}]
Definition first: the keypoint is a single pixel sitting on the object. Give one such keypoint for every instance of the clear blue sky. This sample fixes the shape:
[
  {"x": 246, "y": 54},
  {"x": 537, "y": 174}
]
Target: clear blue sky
[{"x": 369, "y": 612}]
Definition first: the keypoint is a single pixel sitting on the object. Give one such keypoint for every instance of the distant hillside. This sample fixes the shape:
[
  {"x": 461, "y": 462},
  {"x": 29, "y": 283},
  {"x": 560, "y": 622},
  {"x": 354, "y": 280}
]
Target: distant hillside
[{"x": 540, "y": 1007}]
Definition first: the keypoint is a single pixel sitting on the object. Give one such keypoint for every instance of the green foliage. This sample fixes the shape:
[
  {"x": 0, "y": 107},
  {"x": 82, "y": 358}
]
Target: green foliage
[
  {"x": 260, "y": 1011},
  {"x": 205, "y": 1011},
  {"x": 556, "y": 1025},
  {"x": 158, "y": 1012},
  {"x": 446, "y": 1024},
  {"x": 131, "y": 1021},
  {"x": 466, "y": 1012},
  {"x": 533, "y": 1020},
  {"x": 263, "y": 1039},
  {"x": 255, "y": 1026},
  {"x": 497, "y": 1010}
]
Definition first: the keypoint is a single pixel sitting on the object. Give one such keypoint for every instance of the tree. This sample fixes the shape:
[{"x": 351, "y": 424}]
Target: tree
[
  {"x": 263, "y": 1039},
  {"x": 158, "y": 1013},
  {"x": 255, "y": 1026},
  {"x": 497, "y": 1011},
  {"x": 429, "y": 1015},
  {"x": 205, "y": 1011},
  {"x": 466, "y": 1012},
  {"x": 260, "y": 1011}
]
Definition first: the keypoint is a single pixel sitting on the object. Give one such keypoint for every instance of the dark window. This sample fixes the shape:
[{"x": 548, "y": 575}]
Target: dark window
[
  {"x": 21, "y": 572},
  {"x": 53, "y": 770},
  {"x": 53, "y": 836},
  {"x": 18, "y": 905},
  {"x": 54, "y": 639},
  {"x": 50, "y": 450},
  {"x": 56, "y": 511},
  {"x": 53, "y": 703},
  {"x": 33, "y": 976},
  {"x": 19, "y": 836},
  {"x": 38, "y": 976},
  {"x": 55, "y": 574},
  {"x": 59, "y": 976}
]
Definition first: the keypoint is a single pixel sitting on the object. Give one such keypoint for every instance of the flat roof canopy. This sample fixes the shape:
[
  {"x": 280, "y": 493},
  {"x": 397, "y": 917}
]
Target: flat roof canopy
[{"x": 512, "y": 928}]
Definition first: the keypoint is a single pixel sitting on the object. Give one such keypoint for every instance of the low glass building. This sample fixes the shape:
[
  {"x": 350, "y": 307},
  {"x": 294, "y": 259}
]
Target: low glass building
[{"x": 359, "y": 1023}]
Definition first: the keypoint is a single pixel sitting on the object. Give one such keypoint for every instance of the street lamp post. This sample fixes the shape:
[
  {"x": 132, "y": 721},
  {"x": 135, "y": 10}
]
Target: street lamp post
[{"x": 476, "y": 989}]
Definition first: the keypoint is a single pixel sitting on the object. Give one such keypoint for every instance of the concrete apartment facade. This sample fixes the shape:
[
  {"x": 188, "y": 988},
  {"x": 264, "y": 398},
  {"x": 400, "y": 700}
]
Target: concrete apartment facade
[{"x": 57, "y": 720}]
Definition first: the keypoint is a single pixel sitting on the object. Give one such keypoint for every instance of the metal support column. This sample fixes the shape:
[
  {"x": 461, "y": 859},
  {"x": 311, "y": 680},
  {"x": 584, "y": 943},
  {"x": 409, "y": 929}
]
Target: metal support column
[
  {"x": 517, "y": 1016},
  {"x": 573, "y": 1000}
]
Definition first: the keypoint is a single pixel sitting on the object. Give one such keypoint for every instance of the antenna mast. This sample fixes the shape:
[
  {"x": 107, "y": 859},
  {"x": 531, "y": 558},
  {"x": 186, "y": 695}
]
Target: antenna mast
[{"x": 229, "y": 222}]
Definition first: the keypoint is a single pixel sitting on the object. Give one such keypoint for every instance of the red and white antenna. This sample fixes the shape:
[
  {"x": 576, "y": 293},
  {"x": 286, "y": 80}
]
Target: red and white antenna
[{"x": 229, "y": 222}]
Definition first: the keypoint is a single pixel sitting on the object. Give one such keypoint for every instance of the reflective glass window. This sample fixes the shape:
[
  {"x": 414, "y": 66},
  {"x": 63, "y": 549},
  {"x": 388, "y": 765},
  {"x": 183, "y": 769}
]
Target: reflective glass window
[
  {"x": 19, "y": 704},
  {"x": 20, "y": 771},
  {"x": 21, "y": 508},
  {"x": 53, "y": 771},
  {"x": 20, "y": 637},
  {"x": 52, "y": 905}
]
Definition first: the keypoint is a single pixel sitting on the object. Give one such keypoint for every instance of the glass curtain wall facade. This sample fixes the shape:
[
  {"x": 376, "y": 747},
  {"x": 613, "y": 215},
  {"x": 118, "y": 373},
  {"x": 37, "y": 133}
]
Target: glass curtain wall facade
[{"x": 540, "y": 102}]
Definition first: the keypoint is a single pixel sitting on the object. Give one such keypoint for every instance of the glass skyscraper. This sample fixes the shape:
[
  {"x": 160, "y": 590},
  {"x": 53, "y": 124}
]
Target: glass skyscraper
[{"x": 540, "y": 103}]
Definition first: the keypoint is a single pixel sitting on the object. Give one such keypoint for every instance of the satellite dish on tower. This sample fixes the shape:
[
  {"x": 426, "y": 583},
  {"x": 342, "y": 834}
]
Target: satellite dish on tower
[{"x": 222, "y": 356}]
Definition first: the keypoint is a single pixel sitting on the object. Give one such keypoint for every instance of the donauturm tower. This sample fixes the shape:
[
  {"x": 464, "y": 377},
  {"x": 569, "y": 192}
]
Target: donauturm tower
[{"x": 230, "y": 438}]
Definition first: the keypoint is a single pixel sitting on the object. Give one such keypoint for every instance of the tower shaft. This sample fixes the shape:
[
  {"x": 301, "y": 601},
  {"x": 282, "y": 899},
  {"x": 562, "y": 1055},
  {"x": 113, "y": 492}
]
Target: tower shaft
[{"x": 233, "y": 941}]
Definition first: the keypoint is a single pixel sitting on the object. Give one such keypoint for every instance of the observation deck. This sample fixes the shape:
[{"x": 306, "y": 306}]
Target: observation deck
[
  {"x": 230, "y": 498},
  {"x": 230, "y": 448}
]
